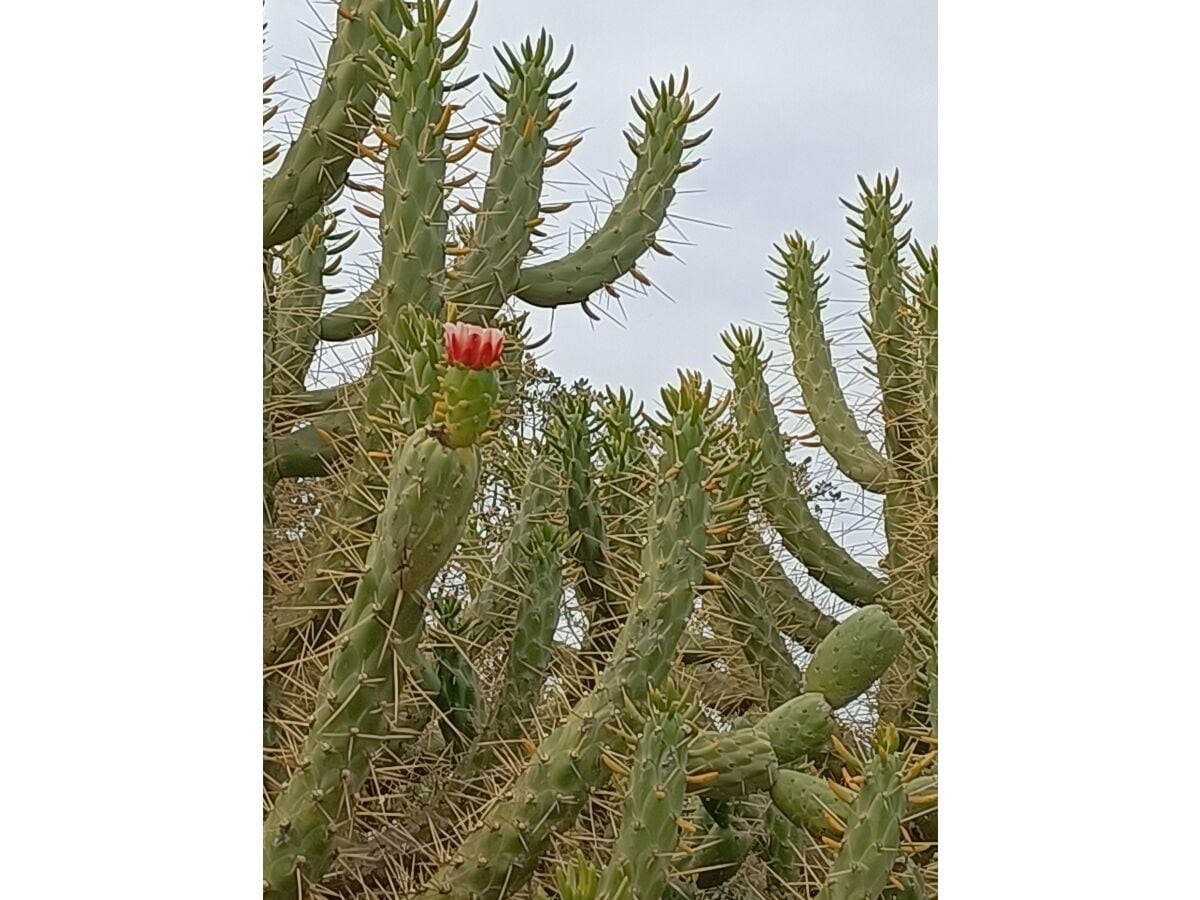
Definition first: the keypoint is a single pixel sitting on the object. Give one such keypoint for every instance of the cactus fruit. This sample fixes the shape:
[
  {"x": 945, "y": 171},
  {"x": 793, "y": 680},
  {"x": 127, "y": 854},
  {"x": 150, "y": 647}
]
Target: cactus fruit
[
  {"x": 510, "y": 621},
  {"x": 853, "y": 656}
]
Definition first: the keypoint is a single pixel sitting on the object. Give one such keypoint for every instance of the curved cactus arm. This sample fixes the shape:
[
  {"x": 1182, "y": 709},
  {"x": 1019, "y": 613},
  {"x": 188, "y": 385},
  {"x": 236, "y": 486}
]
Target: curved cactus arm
[
  {"x": 355, "y": 319},
  {"x": 429, "y": 495},
  {"x": 500, "y": 856},
  {"x": 802, "y": 534},
  {"x": 630, "y": 230},
  {"x": 812, "y": 362},
  {"x": 315, "y": 166}
]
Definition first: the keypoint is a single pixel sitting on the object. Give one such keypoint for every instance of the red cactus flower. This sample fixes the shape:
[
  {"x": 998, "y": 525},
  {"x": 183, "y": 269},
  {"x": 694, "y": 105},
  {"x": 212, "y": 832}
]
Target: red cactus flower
[{"x": 473, "y": 346}]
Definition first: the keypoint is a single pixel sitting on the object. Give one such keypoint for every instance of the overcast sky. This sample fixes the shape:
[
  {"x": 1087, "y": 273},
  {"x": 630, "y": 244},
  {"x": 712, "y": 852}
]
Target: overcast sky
[{"x": 812, "y": 93}]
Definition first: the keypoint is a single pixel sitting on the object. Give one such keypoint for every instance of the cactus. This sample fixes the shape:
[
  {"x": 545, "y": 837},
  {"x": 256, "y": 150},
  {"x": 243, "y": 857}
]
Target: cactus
[
  {"x": 871, "y": 840},
  {"x": 435, "y": 521},
  {"x": 429, "y": 493},
  {"x": 638, "y": 865}
]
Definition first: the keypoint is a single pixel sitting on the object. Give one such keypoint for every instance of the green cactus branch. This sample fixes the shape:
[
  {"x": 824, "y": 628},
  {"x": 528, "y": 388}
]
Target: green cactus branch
[
  {"x": 298, "y": 295},
  {"x": 902, "y": 328},
  {"x": 658, "y": 143},
  {"x": 639, "y": 864},
  {"x": 754, "y": 627},
  {"x": 802, "y": 534},
  {"x": 795, "y": 615},
  {"x": 812, "y": 363},
  {"x": 412, "y": 225},
  {"x": 602, "y": 598},
  {"x": 490, "y": 616},
  {"x": 531, "y": 649},
  {"x": 718, "y": 855},
  {"x": 339, "y": 117},
  {"x": 352, "y": 320},
  {"x": 430, "y": 491},
  {"x": 872, "y": 837},
  {"x": 510, "y": 212},
  {"x": 313, "y": 450}
]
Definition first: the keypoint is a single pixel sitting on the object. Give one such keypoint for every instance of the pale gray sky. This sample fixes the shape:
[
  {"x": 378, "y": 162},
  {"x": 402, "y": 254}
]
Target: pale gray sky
[{"x": 812, "y": 94}]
